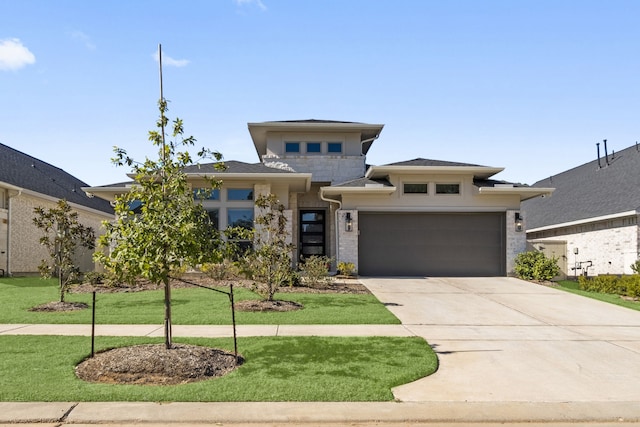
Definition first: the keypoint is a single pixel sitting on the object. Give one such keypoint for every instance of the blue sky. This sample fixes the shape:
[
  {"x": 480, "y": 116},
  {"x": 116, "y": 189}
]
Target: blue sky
[{"x": 531, "y": 86}]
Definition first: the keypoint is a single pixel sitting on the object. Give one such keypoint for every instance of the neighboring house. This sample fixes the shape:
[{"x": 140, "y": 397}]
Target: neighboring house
[
  {"x": 591, "y": 221},
  {"x": 416, "y": 218},
  {"x": 26, "y": 183}
]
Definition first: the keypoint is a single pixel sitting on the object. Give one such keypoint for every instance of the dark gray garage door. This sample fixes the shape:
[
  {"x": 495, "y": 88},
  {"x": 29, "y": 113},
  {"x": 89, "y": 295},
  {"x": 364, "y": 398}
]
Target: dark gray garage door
[{"x": 431, "y": 244}]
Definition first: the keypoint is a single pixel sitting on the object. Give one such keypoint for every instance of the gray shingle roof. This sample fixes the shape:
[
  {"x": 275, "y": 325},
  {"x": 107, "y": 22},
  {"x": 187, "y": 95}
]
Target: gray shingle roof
[
  {"x": 588, "y": 191},
  {"x": 429, "y": 162},
  {"x": 24, "y": 171}
]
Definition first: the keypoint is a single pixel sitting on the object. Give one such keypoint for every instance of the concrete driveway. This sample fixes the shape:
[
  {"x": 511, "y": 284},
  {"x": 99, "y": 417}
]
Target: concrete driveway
[{"x": 504, "y": 339}]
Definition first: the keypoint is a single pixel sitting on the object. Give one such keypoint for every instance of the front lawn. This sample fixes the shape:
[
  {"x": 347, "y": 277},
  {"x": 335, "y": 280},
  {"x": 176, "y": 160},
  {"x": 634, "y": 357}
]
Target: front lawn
[
  {"x": 41, "y": 368},
  {"x": 574, "y": 287},
  {"x": 191, "y": 306}
]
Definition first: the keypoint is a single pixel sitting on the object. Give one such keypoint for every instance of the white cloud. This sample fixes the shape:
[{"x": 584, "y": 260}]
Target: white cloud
[
  {"x": 84, "y": 39},
  {"x": 14, "y": 55},
  {"x": 251, "y": 2},
  {"x": 169, "y": 61}
]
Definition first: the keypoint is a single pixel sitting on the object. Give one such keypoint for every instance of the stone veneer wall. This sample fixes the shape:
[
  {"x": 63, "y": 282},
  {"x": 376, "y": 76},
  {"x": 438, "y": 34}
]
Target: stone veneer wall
[
  {"x": 348, "y": 240},
  {"x": 323, "y": 168},
  {"x": 612, "y": 250},
  {"x": 516, "y": 240},
  {"x": 26, "y": 252}
]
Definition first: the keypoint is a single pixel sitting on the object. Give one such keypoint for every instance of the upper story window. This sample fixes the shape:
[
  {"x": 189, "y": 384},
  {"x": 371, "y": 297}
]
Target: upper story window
[
  {"x": 314, "y": 147},
  {"x": 206, "y": 194},
  {"x": 334, "y": 147},
  {"x": 3, "y": 198},
  {"x": 240, "y": 194},
  {"x": 292, "y": 147},
  {"x": 415, "y": 188},
  {"x": 447, "y": 188}
]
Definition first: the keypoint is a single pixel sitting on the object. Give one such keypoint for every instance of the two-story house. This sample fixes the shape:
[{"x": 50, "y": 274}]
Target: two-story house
[{"x": 416, "y": 218}]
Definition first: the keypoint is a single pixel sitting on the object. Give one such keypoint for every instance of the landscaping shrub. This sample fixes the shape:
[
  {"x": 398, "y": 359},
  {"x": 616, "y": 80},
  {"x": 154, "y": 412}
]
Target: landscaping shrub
[
  {"x": 346, "y": 268},
  {"x": 535, "y": 265},
  {"x": 607, "y": 284},
  {"x": 315, "y": 270}
]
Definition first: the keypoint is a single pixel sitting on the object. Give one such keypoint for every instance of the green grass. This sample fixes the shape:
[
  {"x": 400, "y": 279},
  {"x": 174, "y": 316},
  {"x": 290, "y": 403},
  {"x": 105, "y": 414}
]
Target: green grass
[
  {"x": 191, "y": 306},
  {"x": 573, "y": 287},
  {"x": 41, "y": 368}
]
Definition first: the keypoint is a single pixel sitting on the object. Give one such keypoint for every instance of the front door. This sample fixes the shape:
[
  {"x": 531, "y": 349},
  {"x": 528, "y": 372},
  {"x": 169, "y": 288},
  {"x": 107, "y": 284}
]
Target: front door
[{"x": 312, "y": 235}]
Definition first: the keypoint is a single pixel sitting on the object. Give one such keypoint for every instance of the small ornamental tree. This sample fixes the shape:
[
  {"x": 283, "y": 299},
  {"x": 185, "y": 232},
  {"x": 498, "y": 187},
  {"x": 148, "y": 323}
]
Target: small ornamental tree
[
  {"x": 63, "y": 236},
  {"x": 169, "y": 229},
  {"x": 268, "y": 264}
]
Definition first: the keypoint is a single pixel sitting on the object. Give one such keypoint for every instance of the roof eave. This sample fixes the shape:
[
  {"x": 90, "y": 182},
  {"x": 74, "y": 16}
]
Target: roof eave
[
  {"x": 481, "y": 172},
  {"x": 357, "y": 190},
  {"x": 258, "y": 131},
  {"x": 525, "y": 193}
]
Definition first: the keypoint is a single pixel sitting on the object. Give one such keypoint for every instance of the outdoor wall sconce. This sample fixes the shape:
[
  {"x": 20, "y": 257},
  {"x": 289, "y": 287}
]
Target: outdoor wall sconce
[
  {"x": 348, "y": 222},
  {"x": 518, "y": 219}
]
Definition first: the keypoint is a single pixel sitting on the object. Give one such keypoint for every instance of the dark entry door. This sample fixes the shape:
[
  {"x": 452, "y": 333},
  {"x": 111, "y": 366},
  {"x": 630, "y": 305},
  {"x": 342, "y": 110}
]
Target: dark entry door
[{"x": 312, "y": 233}]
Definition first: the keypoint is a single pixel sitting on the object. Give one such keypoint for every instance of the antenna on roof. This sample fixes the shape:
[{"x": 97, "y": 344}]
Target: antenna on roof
[
  {"x": 637, "y": 146},
  {"x": 598, "y": 147},
  {"x": 606, "y": 156}
]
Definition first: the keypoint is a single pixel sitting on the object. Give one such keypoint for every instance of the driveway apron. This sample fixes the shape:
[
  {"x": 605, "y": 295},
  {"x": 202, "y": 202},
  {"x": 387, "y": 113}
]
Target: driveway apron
[{"x": 504, "y": 339}]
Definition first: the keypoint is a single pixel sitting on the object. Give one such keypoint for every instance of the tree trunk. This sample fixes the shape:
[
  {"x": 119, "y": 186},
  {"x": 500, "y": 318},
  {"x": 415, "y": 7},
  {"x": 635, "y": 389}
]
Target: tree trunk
[{"x": 167, "y": 313}]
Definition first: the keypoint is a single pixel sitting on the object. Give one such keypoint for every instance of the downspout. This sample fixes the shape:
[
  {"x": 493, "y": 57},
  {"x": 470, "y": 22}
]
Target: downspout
[
  {"x": 364, "y": 157},
  {"x": 337, "y": 229}
]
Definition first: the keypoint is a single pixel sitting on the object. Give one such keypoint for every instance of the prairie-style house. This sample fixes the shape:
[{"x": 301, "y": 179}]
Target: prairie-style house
[{"x": 415, "y": 218}]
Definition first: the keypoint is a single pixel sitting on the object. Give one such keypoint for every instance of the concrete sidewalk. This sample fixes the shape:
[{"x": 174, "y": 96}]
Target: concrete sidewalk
[{"x": 317, "y": 413}]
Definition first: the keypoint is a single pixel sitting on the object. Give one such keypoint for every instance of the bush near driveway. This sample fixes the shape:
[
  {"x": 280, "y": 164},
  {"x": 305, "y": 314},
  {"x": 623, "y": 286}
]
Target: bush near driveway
[{"x": 628, "y": 286}]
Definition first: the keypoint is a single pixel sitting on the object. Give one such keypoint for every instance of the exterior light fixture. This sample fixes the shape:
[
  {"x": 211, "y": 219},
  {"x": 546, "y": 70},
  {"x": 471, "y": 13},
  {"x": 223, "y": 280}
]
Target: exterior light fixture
[
  {"x": 348, "y": 222},
  {"x": 518, "y": 220}
]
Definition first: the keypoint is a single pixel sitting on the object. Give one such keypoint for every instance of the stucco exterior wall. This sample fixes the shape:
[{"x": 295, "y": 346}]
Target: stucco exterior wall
[{"x": 25, "y": 250}]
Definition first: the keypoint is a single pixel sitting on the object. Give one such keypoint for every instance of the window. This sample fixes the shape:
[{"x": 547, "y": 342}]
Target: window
[
  {"x": 214, "y": 217},
  {"x": 447, "y": 188},
  {"x": 334, "y": 147},
  {"x": 313, "y": 147},
  {"x": 410, "y": 188},
  {"x": 240, "y": 194},
  {"x": 292, "y": 147},
  {"x": 240, "y": 217},
  {"x": 206, "y": 194}
]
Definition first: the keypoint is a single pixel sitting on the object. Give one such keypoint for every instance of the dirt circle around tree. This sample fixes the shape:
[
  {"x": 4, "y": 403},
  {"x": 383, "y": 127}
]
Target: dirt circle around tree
[{"x": 154, "y": 364}]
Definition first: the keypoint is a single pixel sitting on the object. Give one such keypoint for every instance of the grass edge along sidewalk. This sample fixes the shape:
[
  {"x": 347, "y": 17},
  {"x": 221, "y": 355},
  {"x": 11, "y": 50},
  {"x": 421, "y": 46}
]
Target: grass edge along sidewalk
[
  {"x": 41, "y": 368},
  {"x": 191, "y": 306}
]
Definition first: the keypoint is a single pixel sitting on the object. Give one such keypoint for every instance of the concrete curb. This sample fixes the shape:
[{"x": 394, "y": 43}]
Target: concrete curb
[{"x": 317, "y": 412}]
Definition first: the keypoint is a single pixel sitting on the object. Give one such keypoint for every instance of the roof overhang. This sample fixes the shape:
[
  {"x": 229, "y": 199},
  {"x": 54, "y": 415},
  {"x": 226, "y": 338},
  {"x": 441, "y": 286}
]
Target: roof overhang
[
  {"x": 480, "y": 172},
  {"x": 258, "y": 131},
  {"x": 298, "y": 182},
  {"x": 107, "y": 193},
  {"x": 374, "y": 189},
  {"x": 525, "y": 193},
  {"x": 585, "y": 221}
]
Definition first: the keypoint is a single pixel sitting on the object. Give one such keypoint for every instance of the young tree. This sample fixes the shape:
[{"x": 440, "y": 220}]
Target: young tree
[
  {"x": 269, "y": 263},
  {"x": 169, "y": 229},
  {"x": 63, "y": 236}
]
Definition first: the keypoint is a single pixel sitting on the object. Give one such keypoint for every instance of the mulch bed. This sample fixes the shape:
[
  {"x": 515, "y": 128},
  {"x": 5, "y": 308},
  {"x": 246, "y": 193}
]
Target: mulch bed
[
  {"x": 154, "y": 364},
  {"x": 60, "y": 306}
]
